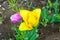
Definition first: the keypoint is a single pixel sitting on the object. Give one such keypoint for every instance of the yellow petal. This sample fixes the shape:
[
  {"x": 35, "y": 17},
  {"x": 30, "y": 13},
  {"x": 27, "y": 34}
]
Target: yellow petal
[
  {"x": 24, "y": 27},
  {"x": 37, "y": 13},
  {"x": 24, "y": 14},
  {"x": 31, "y": 20}
]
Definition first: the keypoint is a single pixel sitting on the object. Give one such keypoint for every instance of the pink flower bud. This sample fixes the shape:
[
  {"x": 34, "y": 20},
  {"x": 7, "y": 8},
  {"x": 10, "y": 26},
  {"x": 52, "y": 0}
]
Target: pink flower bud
[{"x": 15, "y": 18}]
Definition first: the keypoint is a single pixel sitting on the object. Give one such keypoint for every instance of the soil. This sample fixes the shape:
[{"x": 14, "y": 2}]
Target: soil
[{"x": 51, "y": 32}]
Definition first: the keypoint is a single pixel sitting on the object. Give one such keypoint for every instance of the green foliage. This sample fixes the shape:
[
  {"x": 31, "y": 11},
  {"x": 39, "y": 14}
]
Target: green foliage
[
  {"x": 31, "y": 35},
  {"x": 31, "y": 5},
  {"x": 44, "y": 17},
  {"x": 50, "y": 13},
  {"x": 26, "y": 35},
  {"x": 1, "y": 18},
  {"x": 13, "y": 5},
  {"x": 19, "y": 34}
]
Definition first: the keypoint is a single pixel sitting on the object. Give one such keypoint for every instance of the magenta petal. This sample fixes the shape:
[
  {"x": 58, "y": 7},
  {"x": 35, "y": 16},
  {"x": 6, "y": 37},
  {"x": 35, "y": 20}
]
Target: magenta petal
[{"x": 15, "y": 18}]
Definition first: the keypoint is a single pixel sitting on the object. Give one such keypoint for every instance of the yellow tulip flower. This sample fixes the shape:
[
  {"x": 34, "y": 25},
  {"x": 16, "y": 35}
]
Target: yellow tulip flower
[{"x": 31, "y": 19}]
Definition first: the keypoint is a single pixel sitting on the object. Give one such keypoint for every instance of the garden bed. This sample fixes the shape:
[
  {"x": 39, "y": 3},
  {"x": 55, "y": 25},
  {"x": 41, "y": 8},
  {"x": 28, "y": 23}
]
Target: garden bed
[{"x": 51, "y": 32}]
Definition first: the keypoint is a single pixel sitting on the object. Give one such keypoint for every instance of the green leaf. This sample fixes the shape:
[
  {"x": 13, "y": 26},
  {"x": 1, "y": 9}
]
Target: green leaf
[{"x": 34, "y": 36}]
